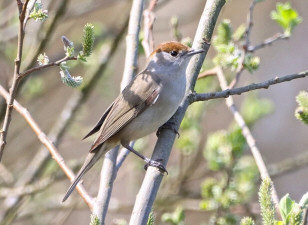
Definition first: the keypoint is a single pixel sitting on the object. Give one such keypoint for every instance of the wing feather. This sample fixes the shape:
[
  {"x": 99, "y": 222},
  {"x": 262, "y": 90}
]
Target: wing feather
[{"x": 142, "y": 92}]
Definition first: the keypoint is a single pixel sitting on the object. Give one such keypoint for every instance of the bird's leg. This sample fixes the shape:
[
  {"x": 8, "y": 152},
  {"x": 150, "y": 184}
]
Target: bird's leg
[
  {"x": 149, "y": 162},
  {"x": 168, "y": 125}
]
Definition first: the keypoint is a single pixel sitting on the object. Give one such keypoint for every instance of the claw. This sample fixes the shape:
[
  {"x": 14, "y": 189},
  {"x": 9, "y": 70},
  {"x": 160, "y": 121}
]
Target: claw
[{"x": 155, "y": 163}]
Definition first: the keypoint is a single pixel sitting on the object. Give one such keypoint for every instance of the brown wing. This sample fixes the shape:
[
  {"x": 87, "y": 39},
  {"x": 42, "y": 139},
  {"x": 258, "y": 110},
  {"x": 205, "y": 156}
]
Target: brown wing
[
  {"x": 142, "y": 92},
  {"x": 98, "y": 125}
]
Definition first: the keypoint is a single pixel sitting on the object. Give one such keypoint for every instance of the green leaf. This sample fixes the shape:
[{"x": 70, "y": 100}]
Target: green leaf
[
  {"x": 67, "y": 78},
  {"x": 239, "y": 33},
  {"x": 286, "y": 17},
  {"x": 37, "y": 13},
  {"x": 286, "y": 205},
  {"x": 81, "y": 57},
  {"x": 70, "y": 51},
  {"x": 43, "y": 59},
  {"x": 304, "y": 201},
  {"x": 175, "y": 218},
  {"x": 251, "y": 63}
]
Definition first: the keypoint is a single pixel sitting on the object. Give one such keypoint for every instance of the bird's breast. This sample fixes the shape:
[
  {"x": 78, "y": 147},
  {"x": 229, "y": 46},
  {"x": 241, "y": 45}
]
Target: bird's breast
[{"x": 157, "y": 114}]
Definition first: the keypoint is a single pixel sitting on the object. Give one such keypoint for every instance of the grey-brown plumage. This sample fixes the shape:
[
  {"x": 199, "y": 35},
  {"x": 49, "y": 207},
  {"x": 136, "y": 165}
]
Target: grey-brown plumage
[{"x": 148, "y": 102}]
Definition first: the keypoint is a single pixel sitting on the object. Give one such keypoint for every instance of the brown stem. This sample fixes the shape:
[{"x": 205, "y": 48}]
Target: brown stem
[
  {"x": 37, "y": 68},
  {"x": 16, "y": 79}
]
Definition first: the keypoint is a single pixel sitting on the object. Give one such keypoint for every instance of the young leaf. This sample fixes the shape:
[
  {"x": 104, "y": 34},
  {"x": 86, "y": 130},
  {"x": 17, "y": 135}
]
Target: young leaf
[
  {"x": 37, "y": 13},
  {"x": 286, "y": 17},
  {"x": 251, "y": 63},
  {"x": 304, "y": 201},
  {"x": 67, "y": 78},
  {"x": 286, "y": 205},
  {"x": 43, "y": 59},
  {"x": 239, "y": 33}
]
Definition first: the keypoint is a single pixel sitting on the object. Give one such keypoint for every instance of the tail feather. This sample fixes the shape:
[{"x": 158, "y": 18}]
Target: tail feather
[{"x": 91, "y": 159}]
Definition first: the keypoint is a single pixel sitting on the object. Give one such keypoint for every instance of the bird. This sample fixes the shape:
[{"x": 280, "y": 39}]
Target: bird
[{"x": 144, "y": 105}]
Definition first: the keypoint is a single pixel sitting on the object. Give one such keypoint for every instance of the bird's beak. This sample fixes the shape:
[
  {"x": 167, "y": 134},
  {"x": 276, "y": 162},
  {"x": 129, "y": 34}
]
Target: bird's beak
[{"x": 194, "y": 52}]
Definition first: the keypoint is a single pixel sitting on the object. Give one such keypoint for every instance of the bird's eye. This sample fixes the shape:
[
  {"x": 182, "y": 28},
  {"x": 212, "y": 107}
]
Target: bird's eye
[{"x": 174, "y": 53}]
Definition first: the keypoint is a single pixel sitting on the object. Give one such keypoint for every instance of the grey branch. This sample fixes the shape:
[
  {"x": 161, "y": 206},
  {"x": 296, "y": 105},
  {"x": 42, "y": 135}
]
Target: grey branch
[
  {"x": 109, "y": 169},
  {"x": 289, "y": 165},
  {"x": 268, "y": 41},
  {"x": 195, "y": 97},
  {"x": 153, "y": 177}
]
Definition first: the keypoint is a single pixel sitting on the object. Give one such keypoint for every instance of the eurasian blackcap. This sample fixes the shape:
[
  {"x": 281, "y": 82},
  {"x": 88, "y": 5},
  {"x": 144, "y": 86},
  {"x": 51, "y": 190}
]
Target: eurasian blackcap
[{"x": 146, "y": 103}]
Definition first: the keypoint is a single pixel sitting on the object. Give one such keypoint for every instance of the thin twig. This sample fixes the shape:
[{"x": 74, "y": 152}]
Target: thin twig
[
  {"x": 194, "y": 97},
  {"x": 207, "y": 73},
  {"x": 268, "y": 41},
  {"x": 45, "y": 38},
  {"x": 122, "y": 156},
  {"x": 149, "y": 18},
  {"x": 247, "y": 134},
  {"x": 37, "y": 68},
  {"x": 288, "y": 165},
  {"x": 249, "y": 23},
  {"x": 5, "y": 174},
  {"x": 27, "y": 189},
  {"x": 49, "y": 145}
]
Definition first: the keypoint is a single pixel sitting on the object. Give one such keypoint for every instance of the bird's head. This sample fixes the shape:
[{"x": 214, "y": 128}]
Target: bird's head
[{"x": 170, "y": 56}]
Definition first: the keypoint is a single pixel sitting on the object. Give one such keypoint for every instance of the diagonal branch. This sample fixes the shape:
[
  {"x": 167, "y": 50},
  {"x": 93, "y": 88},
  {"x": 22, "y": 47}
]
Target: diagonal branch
[
  {"x": 194, "y": 97},
  {"x": 247, "y": 134},
  {"x": 109, "y": 171},
  {"x": 153, "y": 177},
  {"x": 149, "y": 18},
  {"x": 49, "y": 145},
  {"x": 65, "y": 118},
  {"x": 268, "y": 41}
]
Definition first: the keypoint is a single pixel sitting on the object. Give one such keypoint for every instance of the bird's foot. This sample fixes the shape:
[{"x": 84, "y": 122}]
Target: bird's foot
[
  {"x": 155, "y": 163},
  {"x": 168, "y": 125}
]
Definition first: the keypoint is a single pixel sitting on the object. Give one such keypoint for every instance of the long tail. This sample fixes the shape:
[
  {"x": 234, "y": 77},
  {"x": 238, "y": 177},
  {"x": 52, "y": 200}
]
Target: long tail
[{"x": 91, "y": 159}]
